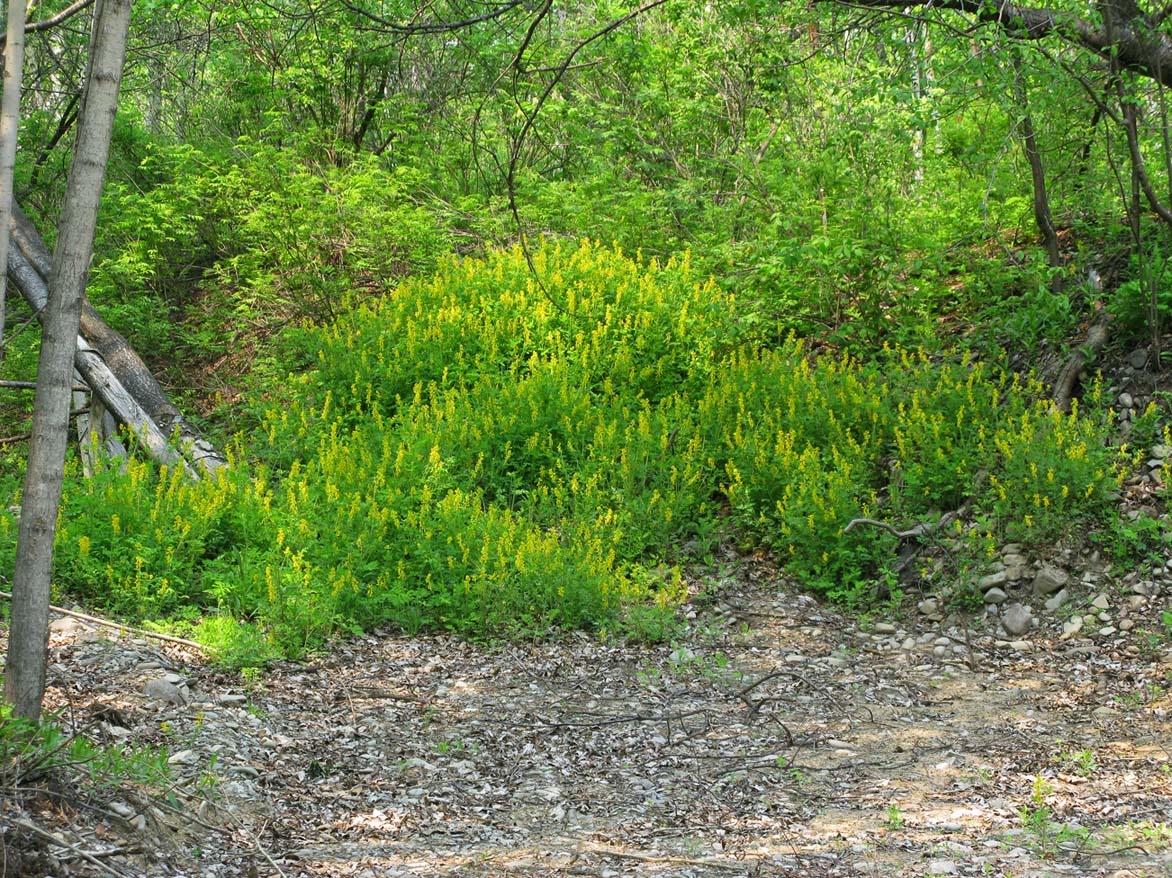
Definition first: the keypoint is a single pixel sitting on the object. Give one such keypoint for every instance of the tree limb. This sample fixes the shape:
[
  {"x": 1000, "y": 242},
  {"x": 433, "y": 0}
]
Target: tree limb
[{"x": 1133, "y": 42}]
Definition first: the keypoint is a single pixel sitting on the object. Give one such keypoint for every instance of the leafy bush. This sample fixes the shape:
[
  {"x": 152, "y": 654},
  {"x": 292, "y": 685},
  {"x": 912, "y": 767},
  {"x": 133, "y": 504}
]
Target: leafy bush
[{"x": 490, "y": 455}]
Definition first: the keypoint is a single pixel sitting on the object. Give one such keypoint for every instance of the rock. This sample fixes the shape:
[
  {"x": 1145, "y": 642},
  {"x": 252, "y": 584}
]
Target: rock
[
  {"x": 67, "y": 626},
  {"x": 1020, "y": 645},
  {"x": 1126, "y": 400},
  {"x": 183, "y": 757},
  {"x": 1101, "y": 602},
  {"x": 1050, "y": 579},
  {"x": 929, "y": 607},
  {"x": 1138, "y": 358},
  {"x": 1056, "y": 600},
  {"x": 1143, "y": 587},
  {"x": 1013, "y": 559},
  {"x": 1017, "y": 572},
  {"x": 942, "y": 867},
  {"x": 909, "y": 644},
  {"x": 995, "y": 596},
  {"x": 993, "y": 580},
  {"x": 884, "y": 628},
  {"x": 1017, "y": 619},
  {"x": 1107, "y": 631},
  {"x": 1071, "y": 628},
  {"x": 1104, "y": 712},
  {"x": 122, "y": 809},
  {"x": 1161, "y": 451},
  {"x": 162, "y": 689}
]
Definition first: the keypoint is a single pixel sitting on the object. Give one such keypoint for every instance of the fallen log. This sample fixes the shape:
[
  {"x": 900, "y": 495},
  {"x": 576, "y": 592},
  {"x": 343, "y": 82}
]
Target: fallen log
[
  {"x": 1079, "y": 359},
  {"x": 111, "y": 367}
]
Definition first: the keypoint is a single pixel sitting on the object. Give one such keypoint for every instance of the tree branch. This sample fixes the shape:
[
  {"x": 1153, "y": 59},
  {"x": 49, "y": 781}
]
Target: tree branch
[{"x": 1133, "y": 43}]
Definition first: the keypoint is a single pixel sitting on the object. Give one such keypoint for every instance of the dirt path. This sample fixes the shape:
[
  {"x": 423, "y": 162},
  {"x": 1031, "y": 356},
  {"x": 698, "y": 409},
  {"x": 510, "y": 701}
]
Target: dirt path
[{"x": 774, "y": 738}]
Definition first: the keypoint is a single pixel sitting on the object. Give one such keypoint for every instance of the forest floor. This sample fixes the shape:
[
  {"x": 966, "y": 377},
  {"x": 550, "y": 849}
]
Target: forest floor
[{"x": 773, "y": 737}]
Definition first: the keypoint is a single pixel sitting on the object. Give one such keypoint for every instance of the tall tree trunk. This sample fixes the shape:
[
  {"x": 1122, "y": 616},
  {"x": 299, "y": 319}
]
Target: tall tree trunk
[
  {"x": 24, "y": 684},
  {"x": 1029, "y": 139},
  {"x": 9, "y": 124}
]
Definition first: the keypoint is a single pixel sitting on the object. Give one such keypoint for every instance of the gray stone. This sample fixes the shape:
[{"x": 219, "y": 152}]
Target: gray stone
[
  {"x": 1138, "y": 358},
  {"x": 1126, "y": 400},
  {"x": 929, "y": 606},
  {"x": 1107, "y": 631},
  {"x": 1101, "y": 602},
  {"x": 993, "y": 580},
  {"x": 1056, "y": 600},
  {"x": 942, "y": 867},
  {"x": 1020, "y": 645},
  {"x": 995, "y": 596},
  {"x": 1050, "y": 579},
  {"x": 67, "y": 626},
  {"x": 884, "y": 628},
  {"x": 1017, "y": 619},
  {"x": 163, "y": 690},
  {"x": 1071, "y": 627},
  {"x": 1161, "y": 451}
]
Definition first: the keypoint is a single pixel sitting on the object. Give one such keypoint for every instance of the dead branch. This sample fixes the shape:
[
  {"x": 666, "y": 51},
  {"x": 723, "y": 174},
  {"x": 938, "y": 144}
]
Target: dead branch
[{"x": 119, "y": 626}]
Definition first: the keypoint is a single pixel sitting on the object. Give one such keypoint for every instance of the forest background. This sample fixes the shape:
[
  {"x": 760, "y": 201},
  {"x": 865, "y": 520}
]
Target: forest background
[{"x": 510, "y": 318}]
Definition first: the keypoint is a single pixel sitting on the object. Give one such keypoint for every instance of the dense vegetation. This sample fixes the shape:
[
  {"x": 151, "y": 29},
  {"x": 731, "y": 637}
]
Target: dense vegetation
[{"x": 771, "y": 269}]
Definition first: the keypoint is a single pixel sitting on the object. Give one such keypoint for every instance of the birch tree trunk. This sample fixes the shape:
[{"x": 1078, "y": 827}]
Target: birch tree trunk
[
  {"x": 9, "y": 123},
  {"x": 24, "y": 685}
]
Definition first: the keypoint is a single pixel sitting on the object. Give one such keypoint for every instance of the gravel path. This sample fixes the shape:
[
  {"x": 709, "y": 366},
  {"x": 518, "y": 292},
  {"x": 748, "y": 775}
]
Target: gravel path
[{"x": 773, "y": 738}]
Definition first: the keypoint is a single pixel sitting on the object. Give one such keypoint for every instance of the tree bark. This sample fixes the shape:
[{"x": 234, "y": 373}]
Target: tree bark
[
  {"x": 1029, "y": 140},
  {"x": 9, "y": 124},
  {"x": 24, "y": 684}
]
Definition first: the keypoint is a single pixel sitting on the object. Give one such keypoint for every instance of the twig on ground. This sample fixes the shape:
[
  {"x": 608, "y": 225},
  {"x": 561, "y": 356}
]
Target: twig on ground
[
  {"x": 119, "y": 626},
  {"x": 64, "y": 845}
]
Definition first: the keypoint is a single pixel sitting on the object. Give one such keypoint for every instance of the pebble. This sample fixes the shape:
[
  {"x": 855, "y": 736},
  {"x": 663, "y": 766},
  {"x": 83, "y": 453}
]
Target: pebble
[
  {"x": 993, "y": 580},
  {"x": 884, "y": 628},
  {"x": 162, "y": 689},
  {"x": 1071, "y": 628},
  {"x": 995, "y": 596},
  {"x": 942, "y": 867},
  {"x": 1050, "y": 579},
  {"x": 1057, "y": 599},
  {"x": 1017, "y": 618},
  {"x": 1101, "y": 602},
  {"x": 929, "y": 606}
]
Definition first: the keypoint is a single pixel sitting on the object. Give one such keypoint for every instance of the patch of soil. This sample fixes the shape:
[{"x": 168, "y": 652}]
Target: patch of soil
[{"x": 774, "y": 738}]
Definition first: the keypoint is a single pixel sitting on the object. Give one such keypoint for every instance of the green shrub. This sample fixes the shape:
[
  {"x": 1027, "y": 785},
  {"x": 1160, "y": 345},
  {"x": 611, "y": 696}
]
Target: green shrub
[{"x": 483, "y": 454}]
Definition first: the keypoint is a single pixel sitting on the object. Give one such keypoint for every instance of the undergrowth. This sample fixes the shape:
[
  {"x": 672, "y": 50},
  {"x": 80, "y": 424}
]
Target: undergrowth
[{"x": 485, "y": 454}]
